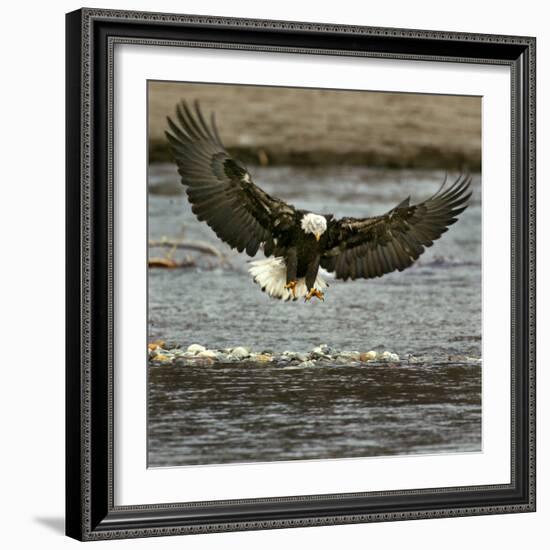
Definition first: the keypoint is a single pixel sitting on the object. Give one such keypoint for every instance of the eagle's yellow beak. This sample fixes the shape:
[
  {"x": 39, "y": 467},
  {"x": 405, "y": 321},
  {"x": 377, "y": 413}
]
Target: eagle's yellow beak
[{"x": 317, "y": 236}]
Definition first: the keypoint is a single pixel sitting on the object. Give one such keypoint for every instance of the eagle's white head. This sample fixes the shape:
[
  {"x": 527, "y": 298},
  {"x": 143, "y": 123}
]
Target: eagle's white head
[{"x": 314, "y": 224}]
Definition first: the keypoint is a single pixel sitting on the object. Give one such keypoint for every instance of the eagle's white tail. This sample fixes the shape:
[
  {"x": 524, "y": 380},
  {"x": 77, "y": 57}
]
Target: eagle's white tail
[{"x": 270, "y": 274}]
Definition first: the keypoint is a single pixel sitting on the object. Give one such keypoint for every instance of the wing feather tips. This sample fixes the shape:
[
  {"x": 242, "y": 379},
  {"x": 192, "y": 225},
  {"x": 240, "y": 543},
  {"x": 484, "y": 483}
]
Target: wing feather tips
[
  {"x": 188, "y": 122},
  {"x": 458, "y": 186},
  {"x": 215, "y": 128}
]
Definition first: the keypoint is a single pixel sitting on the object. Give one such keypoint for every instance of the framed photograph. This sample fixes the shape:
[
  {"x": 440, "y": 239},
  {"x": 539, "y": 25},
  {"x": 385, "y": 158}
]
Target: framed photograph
[{"x": 300, "y": 274}]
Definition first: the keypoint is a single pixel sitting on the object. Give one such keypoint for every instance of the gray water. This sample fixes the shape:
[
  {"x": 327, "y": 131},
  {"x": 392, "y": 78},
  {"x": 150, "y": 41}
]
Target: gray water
[{"x": 243, "y": 413}]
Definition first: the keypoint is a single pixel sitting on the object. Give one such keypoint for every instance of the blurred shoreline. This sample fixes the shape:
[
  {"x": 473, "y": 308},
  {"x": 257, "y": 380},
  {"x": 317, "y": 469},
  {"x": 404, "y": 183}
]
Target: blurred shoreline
[
  {"x": 269, "y": 126},
  {"x": 424, "y": 158}
]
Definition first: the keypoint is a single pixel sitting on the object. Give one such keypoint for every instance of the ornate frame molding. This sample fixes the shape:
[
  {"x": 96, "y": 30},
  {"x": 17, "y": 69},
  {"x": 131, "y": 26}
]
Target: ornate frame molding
[{"x": 91, "y": 36}]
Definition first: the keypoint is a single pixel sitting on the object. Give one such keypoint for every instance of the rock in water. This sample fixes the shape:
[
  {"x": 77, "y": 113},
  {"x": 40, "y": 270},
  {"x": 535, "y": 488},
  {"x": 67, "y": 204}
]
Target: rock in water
[
  {"x": 156, "y": 345},
  {"x": 196, "y": 348},
  {"x": 389, "y": 356},
  {"x": 239, "y": 353},
  {"x": 262, "y": 357},
  {"x": 208, "y": 353},
  {"x": 320, "y": 352},
  {"x": 164, "y": 358},
  {"x": 369, "y": 356},
  {"x": 349, "y": 356},
  {"x": 195, "y": 361}
]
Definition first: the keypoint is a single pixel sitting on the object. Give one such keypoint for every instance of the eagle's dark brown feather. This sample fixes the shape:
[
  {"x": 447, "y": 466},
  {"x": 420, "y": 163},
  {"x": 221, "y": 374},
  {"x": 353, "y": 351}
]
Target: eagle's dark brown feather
[
  {"x": 371, "y": 247},
  {"x": 221, "y": 190}
]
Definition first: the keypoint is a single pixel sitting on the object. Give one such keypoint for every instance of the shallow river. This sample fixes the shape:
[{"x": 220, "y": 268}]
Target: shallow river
[{"x": 244, "y": 413}]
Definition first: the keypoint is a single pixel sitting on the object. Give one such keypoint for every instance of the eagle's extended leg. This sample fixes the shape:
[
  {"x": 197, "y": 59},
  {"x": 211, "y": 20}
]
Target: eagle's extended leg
[
  {"x": 292, "y": 285},
  {"x": 313, "y": 292},
  {"x": 311, "y": 276},
  {"x": 291, "y": 269}
]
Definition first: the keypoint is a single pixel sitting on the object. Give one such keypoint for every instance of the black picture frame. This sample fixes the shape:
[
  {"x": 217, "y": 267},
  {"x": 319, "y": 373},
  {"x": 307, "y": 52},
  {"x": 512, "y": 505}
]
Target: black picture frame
[{"x": 90, "y": 510}]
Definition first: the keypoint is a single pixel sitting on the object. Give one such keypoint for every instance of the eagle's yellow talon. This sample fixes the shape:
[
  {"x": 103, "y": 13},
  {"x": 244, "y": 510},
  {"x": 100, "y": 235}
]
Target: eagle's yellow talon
[
  {"x": 314, "y": 293},
  {"x": 292, "y": 286}
]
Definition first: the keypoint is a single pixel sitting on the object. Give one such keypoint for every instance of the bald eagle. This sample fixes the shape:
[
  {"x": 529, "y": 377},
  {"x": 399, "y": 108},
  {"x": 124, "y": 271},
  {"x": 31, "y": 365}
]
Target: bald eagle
[{"x": 296, "y": 242}]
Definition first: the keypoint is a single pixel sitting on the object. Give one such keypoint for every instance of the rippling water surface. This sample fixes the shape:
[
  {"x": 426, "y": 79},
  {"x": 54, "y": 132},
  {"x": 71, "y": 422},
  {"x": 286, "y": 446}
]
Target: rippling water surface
[{"x": 248, "y": 412}]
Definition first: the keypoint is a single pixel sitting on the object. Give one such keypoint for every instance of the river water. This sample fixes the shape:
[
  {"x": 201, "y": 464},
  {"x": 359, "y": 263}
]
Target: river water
[{"x": 430, "y": 315}]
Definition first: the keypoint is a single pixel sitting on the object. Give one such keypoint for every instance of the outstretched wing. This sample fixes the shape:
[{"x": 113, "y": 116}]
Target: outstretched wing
[
  {"x": 371, "y": 247},
  {"x": 220, "y": 189}
]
